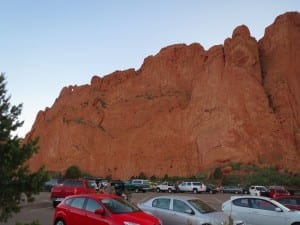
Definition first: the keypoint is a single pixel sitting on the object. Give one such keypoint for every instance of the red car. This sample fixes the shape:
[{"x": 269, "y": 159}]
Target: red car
[
  {"x": 100, "y": 209},
  {"x": 276, "y": 191},
  {"x": 291, "y": 202}
]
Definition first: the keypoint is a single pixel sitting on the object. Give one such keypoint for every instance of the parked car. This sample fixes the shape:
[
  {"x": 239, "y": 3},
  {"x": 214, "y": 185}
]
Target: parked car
[
  {"x": 182, "y": 209},
  {"x": 276, "y": 191},
  {"x": 90, "y": 209},
  {"x": 258, "y": 190},
  {"x": 258, "y": 210},
  {"x": 137, "y": 185},
  {"x": 192, "y": 186},
  {"x": 212, "y": 189},
  {"x": 166, "y": 186},
  {"x": 70, "y": 187},
  {"x": 291, "y": 202},
  {"x": 231, "y": 189},
  {"x": 51, "y": 183}
]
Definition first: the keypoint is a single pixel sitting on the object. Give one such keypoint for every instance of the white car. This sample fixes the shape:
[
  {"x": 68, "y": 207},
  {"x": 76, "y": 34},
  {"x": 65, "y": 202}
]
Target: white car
[
  {"x": 257, "y": 210},
  {"x": 257, "y": 190},
  {"x": 182, "y": 209}
]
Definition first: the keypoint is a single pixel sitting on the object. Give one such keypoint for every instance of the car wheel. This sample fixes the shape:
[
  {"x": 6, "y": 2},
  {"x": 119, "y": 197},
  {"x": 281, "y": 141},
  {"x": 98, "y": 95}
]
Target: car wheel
[
  {"x": 195, "y": 191},
  {"x": 170, "y": 190},
  {"x": 211, "y": 192},
  {"x": 137, "y": 190},
  {"x": 157, "y": 190},
  {"x": 60, "y": 222}
]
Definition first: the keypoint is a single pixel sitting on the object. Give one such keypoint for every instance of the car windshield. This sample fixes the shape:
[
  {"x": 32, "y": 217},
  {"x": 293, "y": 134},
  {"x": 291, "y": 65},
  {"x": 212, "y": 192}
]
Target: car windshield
[
  {"x": 201, "y": 206},
  {"x": 118, "y": 205}
]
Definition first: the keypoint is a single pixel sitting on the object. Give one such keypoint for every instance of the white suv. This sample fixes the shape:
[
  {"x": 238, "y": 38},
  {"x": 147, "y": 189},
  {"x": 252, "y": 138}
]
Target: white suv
[{"x": 192, "y": 186}]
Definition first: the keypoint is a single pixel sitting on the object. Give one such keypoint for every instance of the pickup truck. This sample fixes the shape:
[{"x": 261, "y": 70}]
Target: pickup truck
[
  {"x": 166, "y": 186},
  {"x": 70, "y": 187},
  {"x": 137, "y": 185}
]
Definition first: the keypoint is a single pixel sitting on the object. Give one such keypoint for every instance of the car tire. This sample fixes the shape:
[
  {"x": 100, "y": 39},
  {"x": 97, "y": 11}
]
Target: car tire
[
  {"x": 157, "y": 190},
  {"x": 60, "y": 222},
  {"x": 170, "y": 190},
  {"x": 195, "y": 191},
  {"x": 137, "y": 190}
]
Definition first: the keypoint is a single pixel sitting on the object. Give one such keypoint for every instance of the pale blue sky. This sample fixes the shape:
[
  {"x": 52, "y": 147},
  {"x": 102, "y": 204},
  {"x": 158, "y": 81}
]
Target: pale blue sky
[{"x": 48, "y": 44}]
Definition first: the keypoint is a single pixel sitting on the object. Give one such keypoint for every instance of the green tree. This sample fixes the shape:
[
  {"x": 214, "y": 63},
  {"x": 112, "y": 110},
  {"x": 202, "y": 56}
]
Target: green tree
[
  {"x": 15, "y": 177},
  {"x": 73, "y": 172}
]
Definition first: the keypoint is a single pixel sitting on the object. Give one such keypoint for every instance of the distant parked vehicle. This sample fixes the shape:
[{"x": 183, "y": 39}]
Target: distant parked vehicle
[
  {"x": 231, "y": 189},
  {"x": 258, "y": 210},
  {"x": 137, "y": 185},
  {"x": 212, "y": 189},
  {"x": 291, "y": 202},
  {"x": 166, "y": 187},
  {"x": 258, "y": 190},
  {"x": 276, "y": 191},
  {"x": 192, "y": 186},
  {"x": 51, "y": 183},
  {"x": 181, "y": 209},
  {"x": 70, "y": 187}
]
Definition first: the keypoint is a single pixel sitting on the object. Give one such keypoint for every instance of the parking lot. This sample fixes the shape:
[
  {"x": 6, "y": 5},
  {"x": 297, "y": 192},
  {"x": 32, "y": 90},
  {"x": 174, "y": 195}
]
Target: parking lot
[{"x": 41, "y": 209}]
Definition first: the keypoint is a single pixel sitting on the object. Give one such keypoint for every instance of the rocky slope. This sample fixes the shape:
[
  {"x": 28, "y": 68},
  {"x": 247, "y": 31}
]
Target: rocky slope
[{"x": 185, "y": 110}]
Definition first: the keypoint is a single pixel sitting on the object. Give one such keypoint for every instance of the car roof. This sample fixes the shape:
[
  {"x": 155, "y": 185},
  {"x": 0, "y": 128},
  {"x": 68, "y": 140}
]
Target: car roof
[
  {"x": 233, "y": 197},
  {"x": 95, "y": 195},
  {"x": 181, "y": 197}
]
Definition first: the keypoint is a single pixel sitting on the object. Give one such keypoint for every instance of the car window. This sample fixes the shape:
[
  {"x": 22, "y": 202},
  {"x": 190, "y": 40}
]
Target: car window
[
  {"x": 243, "y": 202},
  {"x": 77, "y": 203},
  {"x": 92, "y": 205},
  {"x": 201, "y": 206},
  {"x": 180, "y": 206},
  {"x": 262, "y": 204},
  {"x": 162, "y": 203},
  {"x": 119, "y": 205}
]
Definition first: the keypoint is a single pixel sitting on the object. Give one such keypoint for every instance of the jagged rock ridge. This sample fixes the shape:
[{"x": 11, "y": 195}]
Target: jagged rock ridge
[{"x": 185, "y": 110}]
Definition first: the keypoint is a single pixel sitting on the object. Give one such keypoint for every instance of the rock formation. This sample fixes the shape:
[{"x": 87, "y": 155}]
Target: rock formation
[{"x": 184, "y": 111}]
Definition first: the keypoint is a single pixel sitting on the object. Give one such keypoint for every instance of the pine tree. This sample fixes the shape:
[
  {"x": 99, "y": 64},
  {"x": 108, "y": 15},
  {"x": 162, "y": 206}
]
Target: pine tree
[{"x": 15, "y": 177}]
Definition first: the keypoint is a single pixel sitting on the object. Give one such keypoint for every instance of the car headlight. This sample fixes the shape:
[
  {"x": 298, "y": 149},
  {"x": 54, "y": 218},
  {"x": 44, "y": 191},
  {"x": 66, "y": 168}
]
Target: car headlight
[{"x": 130, "y": 223}]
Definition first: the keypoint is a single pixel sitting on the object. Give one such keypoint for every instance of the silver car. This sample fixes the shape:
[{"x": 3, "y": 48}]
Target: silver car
[
  {"x": 179, "y": 210},
  {"x": 257, "y": 210}
]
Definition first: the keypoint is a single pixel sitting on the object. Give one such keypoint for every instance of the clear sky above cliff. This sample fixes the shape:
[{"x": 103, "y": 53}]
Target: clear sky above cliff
[{"x": 49, "y": 44}]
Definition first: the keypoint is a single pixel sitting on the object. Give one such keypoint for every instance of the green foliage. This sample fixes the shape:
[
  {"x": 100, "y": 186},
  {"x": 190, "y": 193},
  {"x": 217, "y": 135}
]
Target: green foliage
[
  {"x": 73, "y": 172},
  {"x": 15, "y": 177},
  {"x": 236, "y": 166},
  {"x": 231, "y": 180},
  {"x": 217, "y": 174}
]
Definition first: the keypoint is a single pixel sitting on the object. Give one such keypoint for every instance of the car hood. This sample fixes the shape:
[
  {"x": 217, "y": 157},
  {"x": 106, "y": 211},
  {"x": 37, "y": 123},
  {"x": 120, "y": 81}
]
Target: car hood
[
  {"x": 216, "y": 217},
  {"x": 139, "y": 217}
]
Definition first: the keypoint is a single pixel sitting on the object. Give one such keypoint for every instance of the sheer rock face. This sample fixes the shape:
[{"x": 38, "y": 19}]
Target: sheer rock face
[{"x": 185, "y": 110}]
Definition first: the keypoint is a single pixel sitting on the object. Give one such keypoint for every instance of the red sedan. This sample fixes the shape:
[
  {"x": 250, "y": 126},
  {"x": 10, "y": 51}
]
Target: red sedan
[
  {"x": 100, "y": 209},
  {"x": 276, "y": 191},
  {"x": 291, "y": 202}
]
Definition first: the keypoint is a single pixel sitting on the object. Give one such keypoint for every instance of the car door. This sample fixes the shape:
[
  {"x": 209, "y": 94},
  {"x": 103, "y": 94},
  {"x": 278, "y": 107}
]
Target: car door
[
  {"x": 263, "y": 212},
  {"x": 91, "y": 217},
  {"x": 161, "y": 209},
  {"x": 182, "y": 213},
  {"x": 76, "y": 213}
]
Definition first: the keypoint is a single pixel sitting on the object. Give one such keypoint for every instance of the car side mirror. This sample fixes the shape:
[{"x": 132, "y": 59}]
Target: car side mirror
[
  {"x": 277, "y": 209},
  {"x": 189, "y": 211},
  {"x": 99, "y": 211}
]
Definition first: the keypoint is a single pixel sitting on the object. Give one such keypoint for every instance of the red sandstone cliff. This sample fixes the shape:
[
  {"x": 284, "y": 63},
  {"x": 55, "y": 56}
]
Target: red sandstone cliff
[{"x": 185, "y": 110}]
